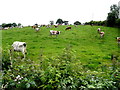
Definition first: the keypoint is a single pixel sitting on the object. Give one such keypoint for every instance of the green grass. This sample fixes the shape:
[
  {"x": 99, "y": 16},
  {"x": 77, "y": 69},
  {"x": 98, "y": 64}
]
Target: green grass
[{"x": 89, "y": 47}]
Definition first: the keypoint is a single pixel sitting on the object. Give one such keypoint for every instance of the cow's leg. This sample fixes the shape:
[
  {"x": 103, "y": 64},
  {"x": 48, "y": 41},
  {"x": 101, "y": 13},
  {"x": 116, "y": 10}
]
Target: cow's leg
[
  {"x": 118, "y": 44},
  {"x": 23, "y": 52},
  {"x": 11, "y": 56}
]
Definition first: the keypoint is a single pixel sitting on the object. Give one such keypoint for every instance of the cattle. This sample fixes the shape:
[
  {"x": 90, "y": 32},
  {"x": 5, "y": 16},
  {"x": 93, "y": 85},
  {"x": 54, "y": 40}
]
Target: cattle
[
  {"x": 19, "y": 47},
  {"x": 35, "y": 26},
  {"x": 52, "y": 32},
  {"x": 118, "y": 40},
  {"x": 37, "y": 29},
  {"x": 48, "y": 26},
  {"x": 68, "y": 28},
  {"x": 101, "y": 34},
  {"x": 75, "y": 25},
  {"x": 98, "y": 30},
  {"x": 55, "y": 26},
  {"x": 6, "y": 28}
]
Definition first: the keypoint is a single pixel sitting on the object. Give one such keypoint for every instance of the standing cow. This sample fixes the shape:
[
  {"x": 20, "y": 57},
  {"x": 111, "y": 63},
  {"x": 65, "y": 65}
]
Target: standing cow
[
  {"x": 101, "y": 32},
  {"x": 98, "y": 30},
  {"x": 37, "y": 29},
  {"x": 19, "y": 47},
  {"x": 118, "y": 40},
  {"x": 68, "y": 28},
  {"x": 52, "y": 32}
]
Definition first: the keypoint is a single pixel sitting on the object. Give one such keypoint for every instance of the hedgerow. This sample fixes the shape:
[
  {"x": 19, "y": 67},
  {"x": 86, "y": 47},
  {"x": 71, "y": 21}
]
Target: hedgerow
[{"x": 64, "y": 71}]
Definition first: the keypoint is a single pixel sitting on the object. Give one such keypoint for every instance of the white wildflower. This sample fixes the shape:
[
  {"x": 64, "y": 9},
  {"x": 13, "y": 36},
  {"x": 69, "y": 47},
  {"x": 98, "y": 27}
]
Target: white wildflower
[{"x": 18, "y": 77}]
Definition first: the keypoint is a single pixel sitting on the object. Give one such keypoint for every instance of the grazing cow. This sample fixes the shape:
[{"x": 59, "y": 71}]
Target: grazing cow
[
  {"x": 48, "y": 26},
  {"x": 55, "y": 26},
  {"x": 98, "y": 30},
  {"x": 19, "y": 47},
  {"x": 37, "y": 29},
  {"x": 52, "y": 32},
  {"x": 101, "y": 34},
  {"x": 75, "y": 25},
  {"x": 6, "y": 28},
  {"x": 118, "y": 40},
  {"x": 67, "y": 28},
  {"x": 35, "y": 26}
]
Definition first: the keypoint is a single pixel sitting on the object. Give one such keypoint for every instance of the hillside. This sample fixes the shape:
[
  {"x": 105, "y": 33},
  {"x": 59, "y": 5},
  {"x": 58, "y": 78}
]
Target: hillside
[
  {"x": 83, "y": 39},
  {"x": 77, "y": 58}
]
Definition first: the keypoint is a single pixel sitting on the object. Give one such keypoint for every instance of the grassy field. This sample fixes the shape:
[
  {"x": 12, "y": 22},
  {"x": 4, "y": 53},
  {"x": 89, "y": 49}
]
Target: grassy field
[
  {"x": 76, "y": 59},
  {"x": 88, "y": 46}
]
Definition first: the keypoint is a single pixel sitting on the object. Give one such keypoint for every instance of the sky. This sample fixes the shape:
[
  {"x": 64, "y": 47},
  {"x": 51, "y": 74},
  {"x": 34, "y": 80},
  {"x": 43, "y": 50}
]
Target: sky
[{"x": 30, "y": 12}]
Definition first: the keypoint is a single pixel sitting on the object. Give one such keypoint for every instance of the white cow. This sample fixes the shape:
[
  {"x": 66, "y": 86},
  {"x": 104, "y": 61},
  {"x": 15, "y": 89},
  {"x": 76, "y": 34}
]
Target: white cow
[
  {"x": 52, "y": 32},
  {"x": 6, "y": 28},
  {"x": 118, "y": 40},
  {"x": 98, "y": 30},
  {"x": 20, "y": 47},
  {"x": 102, "y": 34},
  {"x": 37, "y": 29}
]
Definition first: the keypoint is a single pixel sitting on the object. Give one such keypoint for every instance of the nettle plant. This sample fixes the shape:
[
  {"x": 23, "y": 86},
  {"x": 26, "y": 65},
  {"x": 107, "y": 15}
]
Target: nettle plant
[{"x": 62, "y": 72}]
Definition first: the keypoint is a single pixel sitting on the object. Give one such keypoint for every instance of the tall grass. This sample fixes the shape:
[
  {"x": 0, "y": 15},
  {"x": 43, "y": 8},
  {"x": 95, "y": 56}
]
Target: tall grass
[{"x": 77, "y": 58}]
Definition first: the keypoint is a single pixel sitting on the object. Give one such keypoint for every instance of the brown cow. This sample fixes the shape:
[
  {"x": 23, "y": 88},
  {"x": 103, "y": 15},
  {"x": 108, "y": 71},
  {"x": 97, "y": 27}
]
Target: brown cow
[
  {"x": 118, "y": 40},
  {"x": 67, "y": 28},
  {"x": 55, "y": 26},
  {"x": 35, "y": 26},
  {"x": 52, "y": 32},
  {"x": 101, "y": 34}
]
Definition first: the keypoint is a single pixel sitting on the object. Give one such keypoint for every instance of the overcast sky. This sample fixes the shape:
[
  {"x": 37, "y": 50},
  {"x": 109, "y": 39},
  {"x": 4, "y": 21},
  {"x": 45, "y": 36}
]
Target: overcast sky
[{"x": 29, "y": 12}]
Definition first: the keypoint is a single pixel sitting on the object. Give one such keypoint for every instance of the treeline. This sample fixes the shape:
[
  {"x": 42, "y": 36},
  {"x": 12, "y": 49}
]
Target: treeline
[
  {"x": 113, "y": 19},
  {"x": 104, "y": 23},
  {"x": 10, "y": 25},
  {"x": 98, "y": 23}
]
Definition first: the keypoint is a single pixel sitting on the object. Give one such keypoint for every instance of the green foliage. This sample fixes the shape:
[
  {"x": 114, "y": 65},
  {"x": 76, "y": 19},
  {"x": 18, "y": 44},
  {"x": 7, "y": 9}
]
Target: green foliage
[
  {"x": 77, "y": 23},
  {"x": 113, "y": 16},
  {"x": 115, "y": 10},
  {"x": 111, "y": 19},
  {"x": 84, "y": 63},
  {"x": 10, "y": 25},
  {"x": 59, "y": 21},
  {"x": 14, "y": 24},
  {"x": 19, "y": 24},
  {"x": 118, "y": 22},
  {"x": 65, "y": 22},
  {"x": 51, "y": 22},
  {"x": 98, "y": 23},
  {"x": 62, "y": 72}
]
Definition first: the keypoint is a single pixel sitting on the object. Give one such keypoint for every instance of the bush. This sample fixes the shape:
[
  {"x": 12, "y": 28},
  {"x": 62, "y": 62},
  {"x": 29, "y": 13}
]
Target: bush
[
  {"x": 62, "y": 72},
  {"x": 118, "y": 22}
]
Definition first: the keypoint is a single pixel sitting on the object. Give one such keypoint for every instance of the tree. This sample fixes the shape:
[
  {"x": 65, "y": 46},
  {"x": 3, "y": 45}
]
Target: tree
[
  {"x": 66, "y": 22},
  {"x": 115, "y": 9},
  {"x": 112, "y": 15},
  {"x": 3, "y": 25},
  {"x": 59, "y": 21},
  {"x": 118, "y": 22},
  {"x": 111, "y": 19},
  {"x": 19, "y": 24},
  {"x": 51, "y": 22},
  {"x": 14, "y": 24},
  {"x": 77, "y": 23}
]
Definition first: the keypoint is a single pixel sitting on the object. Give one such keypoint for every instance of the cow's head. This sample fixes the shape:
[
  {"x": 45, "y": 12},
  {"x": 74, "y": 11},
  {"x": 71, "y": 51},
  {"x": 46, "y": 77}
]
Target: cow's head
[{"x": 58, "y": 32}]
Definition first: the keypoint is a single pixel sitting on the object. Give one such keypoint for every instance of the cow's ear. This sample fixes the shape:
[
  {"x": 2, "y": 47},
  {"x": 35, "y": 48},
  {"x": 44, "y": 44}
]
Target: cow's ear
[{"x": 24, "y": 44}]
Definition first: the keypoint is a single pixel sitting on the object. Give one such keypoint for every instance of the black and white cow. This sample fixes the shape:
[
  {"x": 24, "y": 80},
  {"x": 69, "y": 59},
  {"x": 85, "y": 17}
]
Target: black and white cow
[
  {"x": 19, "y": 47},
  {"x": 52, "y": 32}
]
